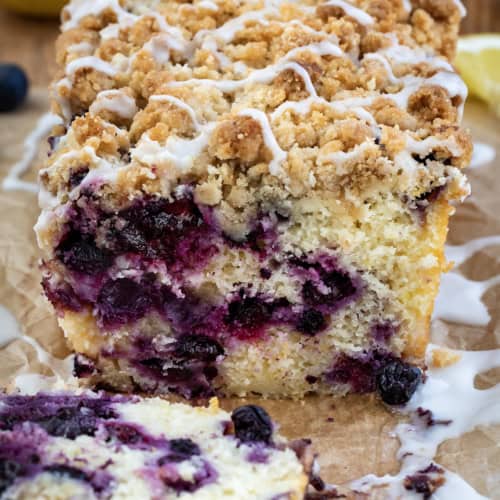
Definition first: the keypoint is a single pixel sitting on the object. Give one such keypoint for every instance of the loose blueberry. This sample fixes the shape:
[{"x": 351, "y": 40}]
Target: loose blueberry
[
  {"x": 252, "y": 424},
  {"x": 198, "y": 347},
  {"x": 397, "y": 382},
  {"x": 311, "y": 322},
  {"x": 13, "y": 87}
]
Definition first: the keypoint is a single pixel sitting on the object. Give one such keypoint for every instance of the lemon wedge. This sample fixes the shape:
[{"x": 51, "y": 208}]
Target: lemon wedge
[
  {"x": 478, "y": 61},
  {"x": 41, "y": 8}
]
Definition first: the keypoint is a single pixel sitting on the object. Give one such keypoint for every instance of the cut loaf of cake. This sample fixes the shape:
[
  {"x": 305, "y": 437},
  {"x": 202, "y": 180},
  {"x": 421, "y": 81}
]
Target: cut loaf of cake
[
  {"x": 252, "y": 196},
  {"x": 67, "y": 446}
]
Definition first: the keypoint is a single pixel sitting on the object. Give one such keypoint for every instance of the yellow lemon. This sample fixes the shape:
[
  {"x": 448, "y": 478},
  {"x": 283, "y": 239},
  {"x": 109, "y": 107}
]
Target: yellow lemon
[
  {"x": 478, "y": 61},
  {"x": 41, "y": 8}
]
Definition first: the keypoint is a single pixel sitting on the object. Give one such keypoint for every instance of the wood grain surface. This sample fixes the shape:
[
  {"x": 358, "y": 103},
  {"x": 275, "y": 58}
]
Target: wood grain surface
[{"x": 30, "y": 42}]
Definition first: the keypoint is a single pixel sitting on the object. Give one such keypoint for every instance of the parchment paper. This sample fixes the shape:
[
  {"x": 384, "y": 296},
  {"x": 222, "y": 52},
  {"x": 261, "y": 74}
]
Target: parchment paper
[{"x": 352, "y": 435}]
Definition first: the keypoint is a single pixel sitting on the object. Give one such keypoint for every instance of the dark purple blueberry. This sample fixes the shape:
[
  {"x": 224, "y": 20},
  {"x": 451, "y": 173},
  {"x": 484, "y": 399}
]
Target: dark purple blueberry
[
  {"x": 340, "y": 284},
  {"x": 265, "y": 273},
  {"x": 359, "y": 370},
  {"x": 248, "y": 312},
  {"x": 397, "y": 382},
  {"x": 9, "y": 472},
  {"x": 311, "y": 379},
  {"x": 62, "y": 297},
  {"x": 67, "y": 471},
  {"x": 98, "y": 480},
  {"x": 130, "y": 239},
  {"x": 76, "y": 177},
  {"x": 158, "y": 219},
  {"x": 60, "y": 416},
  {"x": 13, "y": 87},
  {"x": 123, "y": 300},
  {"x": 82, "y": 255},
  {"x": 312, "y": 295},
  {"x": 83, "y": 367},
  {"x": 70, "y": 423},
  {"x": 311, "y": 322},
  {"x": 198, "y": 347},
  {"x": 180, "y": 450},
  {"x": 252, "y": 424},
  {"x": 424, "y": 159},
  {"x": 125, "y": 433}
]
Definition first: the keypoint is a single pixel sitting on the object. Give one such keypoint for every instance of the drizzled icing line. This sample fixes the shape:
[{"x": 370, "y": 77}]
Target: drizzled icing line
[
  {"x": 459, "y": 298},
  {"x": 43, "y": 128}
]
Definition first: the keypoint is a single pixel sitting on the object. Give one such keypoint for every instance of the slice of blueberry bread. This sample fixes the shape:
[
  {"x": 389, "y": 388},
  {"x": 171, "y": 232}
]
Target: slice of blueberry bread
[
  {"x": 251, "y": 196},
  {"x": 97, "y": 446}
]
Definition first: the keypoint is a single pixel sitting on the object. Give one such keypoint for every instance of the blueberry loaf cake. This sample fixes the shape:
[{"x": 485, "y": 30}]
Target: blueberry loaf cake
[
  {"x": 251, "y": 196},
  {"x": 97, "y": 446}
]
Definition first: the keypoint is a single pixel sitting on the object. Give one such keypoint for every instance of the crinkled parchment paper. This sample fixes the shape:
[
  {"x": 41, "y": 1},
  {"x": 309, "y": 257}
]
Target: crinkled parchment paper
[{"x": 352, "y": 435}]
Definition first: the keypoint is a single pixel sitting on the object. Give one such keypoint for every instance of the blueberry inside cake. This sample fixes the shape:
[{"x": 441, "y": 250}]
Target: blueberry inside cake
[
  {"x": 252, "y": 197},
  {"x": 97, "y": 446}
]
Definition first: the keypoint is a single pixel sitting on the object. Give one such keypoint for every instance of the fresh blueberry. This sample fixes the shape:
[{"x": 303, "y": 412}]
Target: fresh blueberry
[
  {"x": 311, "y": 322},
  {"x": 198, "y": 347},
  {"x": 397, "y": 382},
  {"x": 13, "y": 87},
  {"x": 252, "y": 424}
]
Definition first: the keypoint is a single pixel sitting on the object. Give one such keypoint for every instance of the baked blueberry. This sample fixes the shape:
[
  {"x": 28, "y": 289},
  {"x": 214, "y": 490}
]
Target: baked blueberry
[
  {"x": 397, "y": 381},
  {"x": 252, "y": 424},
  {"x": 311, "y": 322}
]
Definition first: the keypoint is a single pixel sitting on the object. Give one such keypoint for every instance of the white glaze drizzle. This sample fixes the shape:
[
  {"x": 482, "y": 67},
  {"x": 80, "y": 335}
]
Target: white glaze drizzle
[
  {"x": 12, "y": 181},
  {"x": 350, "y": 10},
  {"x": 482, "y": 154},
  {"x": 92, "y": 62},
  {"x": 10, "y": 331},
  {"x": 114, "y": 101},
  {"x": 279, "y": 156},
  {"x": 459, "y": 299},
  {"x": 79, "y": 9}
]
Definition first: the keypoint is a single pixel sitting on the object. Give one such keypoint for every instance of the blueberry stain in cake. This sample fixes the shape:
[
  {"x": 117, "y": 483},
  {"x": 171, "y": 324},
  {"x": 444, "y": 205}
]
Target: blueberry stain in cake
[
  {"x": 123, "y": 300},
  {"x": 359, "y": 370},
  {"x": 397, "y": 381},
  {"x": 62, "y": 416},
  {"x": 252, "y": 424}
]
